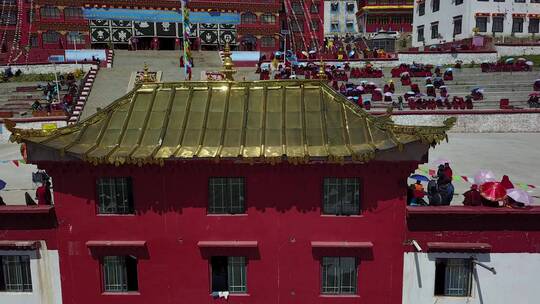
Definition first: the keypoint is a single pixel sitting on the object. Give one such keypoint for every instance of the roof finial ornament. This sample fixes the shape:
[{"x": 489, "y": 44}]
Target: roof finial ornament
[
  {"x": 321, "y": 74},
  {"x": 146, "y": 77},
  {"x": 228, "y": 65}
]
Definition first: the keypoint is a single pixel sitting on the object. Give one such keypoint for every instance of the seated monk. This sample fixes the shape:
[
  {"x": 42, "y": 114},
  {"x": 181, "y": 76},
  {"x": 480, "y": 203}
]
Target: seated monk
[{"x": 472, "y": 197}]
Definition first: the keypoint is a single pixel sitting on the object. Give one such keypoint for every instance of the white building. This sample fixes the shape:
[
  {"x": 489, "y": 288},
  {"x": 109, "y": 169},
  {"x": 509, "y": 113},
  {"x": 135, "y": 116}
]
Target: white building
[
  {"x": 439, "y": 21},
  {"x": 453, "y": 278},
  {"x": 340, "y": 17},
  {"x": 30, "y": 273}
]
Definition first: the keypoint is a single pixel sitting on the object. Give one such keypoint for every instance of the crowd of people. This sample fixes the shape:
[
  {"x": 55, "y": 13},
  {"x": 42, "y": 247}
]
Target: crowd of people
[
  {"x": 440, "y": 190},
  {"x": 52, "y": 94},
  {"x": 350, "y": 47}
]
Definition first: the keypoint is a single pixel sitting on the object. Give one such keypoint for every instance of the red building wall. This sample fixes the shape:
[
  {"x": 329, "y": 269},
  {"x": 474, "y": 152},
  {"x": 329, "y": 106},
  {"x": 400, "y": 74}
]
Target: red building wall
[{"x": 283, "y": 216}]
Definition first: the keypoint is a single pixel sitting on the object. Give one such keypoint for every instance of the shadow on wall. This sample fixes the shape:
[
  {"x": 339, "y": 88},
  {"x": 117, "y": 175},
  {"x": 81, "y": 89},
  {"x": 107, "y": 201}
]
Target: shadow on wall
[{"x": 282, "y": 187}]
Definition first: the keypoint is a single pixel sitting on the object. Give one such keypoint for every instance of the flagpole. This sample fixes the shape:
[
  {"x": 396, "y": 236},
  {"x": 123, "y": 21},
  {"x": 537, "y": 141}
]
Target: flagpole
[{"x": 185, "y": 35}]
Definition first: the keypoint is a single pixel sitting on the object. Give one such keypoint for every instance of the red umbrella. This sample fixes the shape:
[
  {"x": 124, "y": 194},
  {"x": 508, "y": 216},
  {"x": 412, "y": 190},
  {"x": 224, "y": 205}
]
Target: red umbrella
[{"x": 493, "y": 191}]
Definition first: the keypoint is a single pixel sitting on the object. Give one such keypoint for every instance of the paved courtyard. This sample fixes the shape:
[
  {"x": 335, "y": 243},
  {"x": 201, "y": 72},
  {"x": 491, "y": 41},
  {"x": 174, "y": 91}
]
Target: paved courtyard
[{"x": 513, "y": 154}]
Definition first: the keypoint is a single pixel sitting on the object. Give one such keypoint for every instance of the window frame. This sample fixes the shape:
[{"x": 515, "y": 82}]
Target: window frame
[
  {"x": 231, "y": 261},
  {"x": 493, "y": 22},
  {"x": 229, "y": 208},
  {"x": 342, "y": 184},
  {"x": 126, "y": 274},
  {"x": 485, "y": 25},
  {"x": 470, "y": 277},
  {"x": 23, "y": 264},
  {"x": 338, "y": 284},
  {"x": 129, "y": 208}
]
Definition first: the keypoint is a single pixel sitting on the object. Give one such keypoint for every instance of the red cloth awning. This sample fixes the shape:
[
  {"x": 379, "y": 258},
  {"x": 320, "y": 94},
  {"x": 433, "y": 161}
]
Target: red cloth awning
[
  {"x": 116, "y": 243},
  {"x": 482, "y": 14},
  {"x": 519, "y": 15},
  {"x": 497, "y": 14},
  {"x": 344, "y": 244},
  {"x": 467, "y": 247},
  {"x": 227, "y": 244},
  {"x": 534, "y": 16},
  {"x": 19, "y": 245}
]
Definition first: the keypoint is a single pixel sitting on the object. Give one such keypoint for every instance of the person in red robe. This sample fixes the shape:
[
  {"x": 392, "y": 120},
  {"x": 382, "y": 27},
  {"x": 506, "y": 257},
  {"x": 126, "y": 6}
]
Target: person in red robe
[
  {"x": 472, "y": 197},
  {"x": 43, "y": 194}
]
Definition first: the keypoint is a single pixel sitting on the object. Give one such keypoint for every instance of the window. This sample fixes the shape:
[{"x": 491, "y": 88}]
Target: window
[
  {"x": 15, "y": 273},
  {"x": 457, "y": 25},
  {"x": 51, "y": 37},
  {"x": 517, "y": 25},
  {"x": 75, "y": 37},
  {"x": 498, "y": 24},
  {"x": 436, "y": 5},
  {"x": 481, "y": 24},
  {"x": 338, "y": 275},
  {"x": 421, "y": 9},
  {"x": 350, "y": 26},
  {"x": 34, "y": 41},
  {"x": 50, "y": 12},
  {"x": 350, "y": 7},
  {"x": 334, "y": 27},
  {"x": 314, "y": 9},
  {"x": 341, "y": 196},
  {"x": 226, "y": 195},
  {"x": 315, "y": 25},
  {"x": 268, "y": 42},
  {"x": 297, "y": 27},
  {"x": 458, "y": 2},
  {"x": 119, "y": 274},
  {"x": 297, "y": 7},
  {"x": 334, "y": 7},
  {"x": 229, "y": 274},
  {"x": 268, "y": 19},
  {"x": 248, "y": 18},
  {"x": 115, "y": 195},
  {"x": 435, "y": 30},
  {"x": 520, "y": 1},
  {"x": 73, "y": 13},
  {"x": 533, "y": 25},
  {"x": 420, "y": 33},
  {"x": 453, "y": 277}
]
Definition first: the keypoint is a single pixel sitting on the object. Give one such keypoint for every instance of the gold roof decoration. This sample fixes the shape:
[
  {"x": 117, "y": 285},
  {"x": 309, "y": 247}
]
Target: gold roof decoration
[
  {"x": 269, "y": 121},
  {"x": 321, "y": 74},
  {"x": 228, "y": 65}
]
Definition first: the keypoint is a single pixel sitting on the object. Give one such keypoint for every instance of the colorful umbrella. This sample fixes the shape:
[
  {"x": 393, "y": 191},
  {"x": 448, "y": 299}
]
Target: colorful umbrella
[
  {"x": 529, "y": 63},
  {"x": 419, "y": 177},
  {"x": 521, "y": 59},
  {"x": 493, "y": 191},
  {"x": 484, "y": 176},
  {"x": 351, "y": 53},
  {"x": 509, "y": 60},
  {"x": 388, "y": 94},
  {"x": 520, "y": 196},
  {"x": 2, "y": 184},
  {"x": 535, "y": 94}
]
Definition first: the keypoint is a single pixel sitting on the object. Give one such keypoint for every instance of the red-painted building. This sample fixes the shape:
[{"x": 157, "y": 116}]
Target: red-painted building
[
  {"x": 385, "y": 15},
  {"x": 263, "y": 192},
  {"x": 303, "y": 21},
  {"x": 32, "y": 30}
]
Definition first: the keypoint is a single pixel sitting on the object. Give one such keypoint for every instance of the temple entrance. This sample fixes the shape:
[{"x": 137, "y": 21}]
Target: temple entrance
[
  {"x": 248, "y": 43},
  {"x": 167, "y": 43}
]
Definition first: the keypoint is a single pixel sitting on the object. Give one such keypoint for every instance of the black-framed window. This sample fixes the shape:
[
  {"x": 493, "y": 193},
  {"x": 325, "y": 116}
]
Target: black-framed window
[
  {"x": 115, "y": 195},
  {"x": 50, "y": 12},
  {"x": 268, "y": 18},
  {"x": 350, "y": 7},
  {"x": 341, "y": 196},
  {"x": 229, "y": 273},
  {"x": 248, "y": 18},
  {"x": 498, "y": 24},
  {"x": 119, "y": 273},
  {"x": 15, "y": 274},
  {"x": 339, "y": 275},
  {"x": 533, "y": 25},
  {"x": 481, "y": 24},
  {"x": 453, "y": 277},
  {"x": 436, "y": 5},
  {"x": 458, "y": 25},
  {"x": 420, "y": 33},
  {"x": 50, "y": 37},
  {"x": 314, "y": 8},
  {"x": 517, "y": 25},
  {"x": 268, "y": 42},
  {"x": 434, "y": 30},
  {"x": 226, "y": 195},
  {"x": 458, "y": 2},
  {"x": 334, "y": 6},
  {"x": 421, "y": 9},
  {"x": 73, "y": 13}
]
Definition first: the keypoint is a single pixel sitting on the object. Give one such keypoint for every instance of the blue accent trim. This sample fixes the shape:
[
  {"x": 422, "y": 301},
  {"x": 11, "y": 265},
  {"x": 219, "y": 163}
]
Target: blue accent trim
[{"x": 160, "y": 16}]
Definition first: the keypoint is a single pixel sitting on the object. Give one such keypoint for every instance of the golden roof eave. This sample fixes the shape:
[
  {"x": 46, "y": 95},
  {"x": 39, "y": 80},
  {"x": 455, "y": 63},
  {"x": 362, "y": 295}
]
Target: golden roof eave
[{"x": 269, "y": 121}]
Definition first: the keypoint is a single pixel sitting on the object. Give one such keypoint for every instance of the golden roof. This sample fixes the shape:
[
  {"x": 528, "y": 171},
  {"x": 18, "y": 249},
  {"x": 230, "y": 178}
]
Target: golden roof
[{"x": 296, "y": 120}]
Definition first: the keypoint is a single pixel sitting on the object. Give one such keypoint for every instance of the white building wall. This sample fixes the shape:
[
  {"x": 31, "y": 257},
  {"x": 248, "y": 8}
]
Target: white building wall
[
  {"x": 516, "y": 280},
  {"x": 448, "y": 10},
  {"x": 341, "y": 17},
  {"x": 45, "y": 272}
]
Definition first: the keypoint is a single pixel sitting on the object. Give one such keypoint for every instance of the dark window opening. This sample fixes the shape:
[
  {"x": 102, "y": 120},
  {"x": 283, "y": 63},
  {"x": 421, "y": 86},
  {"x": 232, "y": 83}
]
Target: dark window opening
[
  {"x": 453, "y": 277},
  {"x": 15, "y": 273},
  {"x": 228, "y": 274},
  {"x": 120, "y": 274}
]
